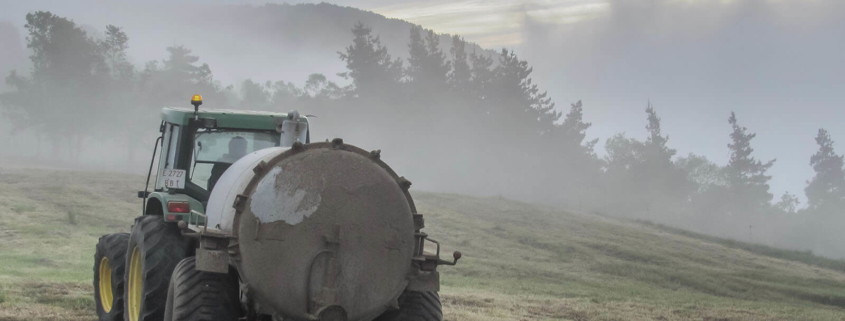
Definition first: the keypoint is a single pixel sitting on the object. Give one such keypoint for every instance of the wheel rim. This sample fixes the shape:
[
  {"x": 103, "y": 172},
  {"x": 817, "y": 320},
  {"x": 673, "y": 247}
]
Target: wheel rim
[
  {"x": 106, "y": 295},
  {"x": 136, "y": 285}
]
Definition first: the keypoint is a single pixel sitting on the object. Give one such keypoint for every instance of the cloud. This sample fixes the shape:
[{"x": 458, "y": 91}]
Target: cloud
[{"x": 491, "y": 23}]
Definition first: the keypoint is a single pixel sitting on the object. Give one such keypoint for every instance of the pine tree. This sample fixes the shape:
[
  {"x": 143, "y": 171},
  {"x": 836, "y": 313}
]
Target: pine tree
[
  {"x": 181, "y": 66},
  {"x": 518, "y": 99},
  {"x": 428, "y": 68},
  {"x": 370, "y": 66},
  {"x": 826, "y": 191},
  {"x": 747, "y": 179},
  {"x": 437, "y": 65},
  {"x": 114, "y": 49},
  {"x": 481, "y": 78},
  {"x": 460, "y": 76},
  {"x": 656, "y": 149},
  {"x": 574, "y": 131},
  {"x": 417, "y": 55},
  {"x": 123, "y": 93}
]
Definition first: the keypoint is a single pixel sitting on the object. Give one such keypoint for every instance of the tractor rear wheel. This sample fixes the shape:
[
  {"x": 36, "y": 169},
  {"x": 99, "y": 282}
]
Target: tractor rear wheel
[
  {"x": 195, "y": 295},
  {"x": 416, "y": 306},
  {"x": 155, "y": 247},
  {"x": 109, "y": 263}
]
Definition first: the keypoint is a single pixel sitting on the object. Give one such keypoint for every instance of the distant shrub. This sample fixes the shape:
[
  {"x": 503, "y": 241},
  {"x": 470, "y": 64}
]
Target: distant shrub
[
  {"x": 71, "y": 217},
  {"x": 20, "y": 209}
]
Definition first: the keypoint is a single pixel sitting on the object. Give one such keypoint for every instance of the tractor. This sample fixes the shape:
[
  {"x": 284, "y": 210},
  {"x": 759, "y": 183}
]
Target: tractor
[{"x": 249, "y": 220}]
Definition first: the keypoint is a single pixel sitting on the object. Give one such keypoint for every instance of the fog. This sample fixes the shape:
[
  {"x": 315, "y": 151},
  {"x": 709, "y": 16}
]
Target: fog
[
  {"x": 776, "y": 63},
  {"x": 487, "y": 132}
]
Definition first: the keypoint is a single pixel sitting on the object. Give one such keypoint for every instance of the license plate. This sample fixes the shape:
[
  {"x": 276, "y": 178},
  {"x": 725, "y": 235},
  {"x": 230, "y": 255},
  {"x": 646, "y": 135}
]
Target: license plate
[{"x": 173, "y": 178}]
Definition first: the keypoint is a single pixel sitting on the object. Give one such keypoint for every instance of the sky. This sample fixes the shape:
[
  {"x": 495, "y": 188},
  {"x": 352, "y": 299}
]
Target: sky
[{"x": 777, "y": 63}]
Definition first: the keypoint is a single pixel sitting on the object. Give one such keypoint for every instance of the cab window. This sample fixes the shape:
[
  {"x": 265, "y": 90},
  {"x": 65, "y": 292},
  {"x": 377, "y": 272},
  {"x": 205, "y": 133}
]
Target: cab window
[{"x": 215, "y": 150}]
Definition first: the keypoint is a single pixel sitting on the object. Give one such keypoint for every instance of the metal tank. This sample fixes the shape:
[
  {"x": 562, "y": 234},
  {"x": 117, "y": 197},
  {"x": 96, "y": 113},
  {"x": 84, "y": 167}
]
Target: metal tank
[{"x": 323, "y": 231}]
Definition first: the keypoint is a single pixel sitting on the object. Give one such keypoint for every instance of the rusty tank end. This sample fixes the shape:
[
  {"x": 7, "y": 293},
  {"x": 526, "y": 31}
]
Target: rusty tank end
[{"x": 323, "y": 231}]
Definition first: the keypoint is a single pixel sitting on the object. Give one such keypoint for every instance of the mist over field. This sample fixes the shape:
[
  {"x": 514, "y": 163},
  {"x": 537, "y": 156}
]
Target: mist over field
[{"x": 471, "y": 120}]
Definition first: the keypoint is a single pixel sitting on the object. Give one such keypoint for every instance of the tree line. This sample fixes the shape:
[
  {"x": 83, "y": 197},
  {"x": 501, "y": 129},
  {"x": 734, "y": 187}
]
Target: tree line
[{"x": 458, "y": 120}]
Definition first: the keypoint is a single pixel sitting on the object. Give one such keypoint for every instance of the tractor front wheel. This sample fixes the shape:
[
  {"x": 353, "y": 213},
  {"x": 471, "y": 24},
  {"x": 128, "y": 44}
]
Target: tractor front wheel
[
  {"x": 155, "y": 247},
  {"x": 109, "y": 264}
]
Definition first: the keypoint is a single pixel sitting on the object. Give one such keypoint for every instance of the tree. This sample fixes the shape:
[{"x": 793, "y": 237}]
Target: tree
[
  {"x": 576, "y": 166},
  {"x": 372, "y": 69},
  {"x": 656, "y": 150},
  {"x": 254, "y": 96},
  {"x": 284, "y": 94},
  {"x": 114, "y": 49},
  {"x": 517, "y": 100},
  {"x": 622, "y": 163},
  {"x": 747, "y": 179},
  {"x": 180, "y": 76},
  {"x": 460, "y": 76},
  {"x": 122, "y": 93},
  {"x": 643, "y": 173},
  {"x": 703, "y": 174},
  {"x": 788, "y": 203},
  {"x": 17, "y": 103},
  {"x": 574, "y": 130},
  {"x": 481, "y": 80},
  {"x": 317, "y": 86},
  {"x": 181, "y": 66},
  {"x": 660, "y": 175},
  {"x": 417, "y": 54},
  {"x": 63, "y": 98},
  {"x": 826, "y": 191},
  {"x": 623, "y": 154},
  {"x": 428, "y": 68}
]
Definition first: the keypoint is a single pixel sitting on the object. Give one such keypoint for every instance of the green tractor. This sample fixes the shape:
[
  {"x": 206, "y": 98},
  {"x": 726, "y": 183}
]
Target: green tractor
[{"x": 248, "y": 220}]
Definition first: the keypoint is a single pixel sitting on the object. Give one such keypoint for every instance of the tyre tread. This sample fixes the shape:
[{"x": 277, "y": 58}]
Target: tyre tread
[
  {"x": 163, "y": 248},
  {"x": 199, "y": 295},
  {"x": 112, "y": 246}
]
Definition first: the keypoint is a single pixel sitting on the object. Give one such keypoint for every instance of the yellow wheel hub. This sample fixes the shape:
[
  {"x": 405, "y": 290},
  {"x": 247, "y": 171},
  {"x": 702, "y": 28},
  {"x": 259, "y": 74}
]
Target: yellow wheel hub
[
  {"x": 106, "y": 295},
  {"x": 136, "y": 285}
]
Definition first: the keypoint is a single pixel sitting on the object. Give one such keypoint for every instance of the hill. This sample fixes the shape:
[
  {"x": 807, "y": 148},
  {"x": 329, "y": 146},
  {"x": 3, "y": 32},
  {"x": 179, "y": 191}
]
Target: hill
[
  {"x": 521, "y": 262},
  {"x": 262, "y": 42}
]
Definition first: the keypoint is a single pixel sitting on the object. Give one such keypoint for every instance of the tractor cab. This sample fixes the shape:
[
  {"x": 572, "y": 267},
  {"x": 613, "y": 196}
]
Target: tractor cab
[{"x": 197, "y": 146}]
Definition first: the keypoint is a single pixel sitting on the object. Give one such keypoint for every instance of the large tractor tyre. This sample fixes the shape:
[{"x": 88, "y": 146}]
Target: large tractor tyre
[
  {"x": 416, "y": 306},
  {"x": 109, "y": 263},
  {"x": 155, "y": 248},
  {"x": 195, "y": 295}
]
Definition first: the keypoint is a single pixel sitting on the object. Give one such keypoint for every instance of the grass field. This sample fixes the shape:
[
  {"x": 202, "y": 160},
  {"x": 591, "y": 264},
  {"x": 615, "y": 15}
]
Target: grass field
[{"x": 521, "y": 262}]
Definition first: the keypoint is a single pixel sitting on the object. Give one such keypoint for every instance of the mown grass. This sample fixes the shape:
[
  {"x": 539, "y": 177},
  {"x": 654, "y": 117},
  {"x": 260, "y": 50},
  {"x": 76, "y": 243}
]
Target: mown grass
[
  {"x": 520, "y": 262},
  {"x": 792, "y": 255}
]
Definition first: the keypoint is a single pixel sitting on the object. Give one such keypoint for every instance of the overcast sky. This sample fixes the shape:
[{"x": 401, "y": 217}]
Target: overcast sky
[{"x": 779, "y": 64}]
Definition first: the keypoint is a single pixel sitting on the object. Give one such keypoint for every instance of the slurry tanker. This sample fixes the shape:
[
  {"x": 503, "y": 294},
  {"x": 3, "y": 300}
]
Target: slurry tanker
[{"x": 249, "y": 220}]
